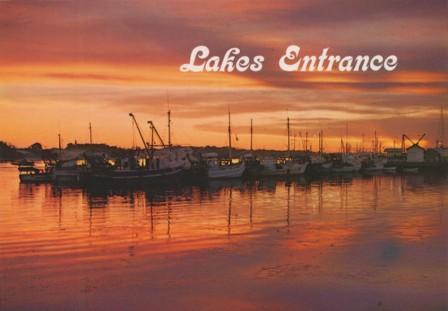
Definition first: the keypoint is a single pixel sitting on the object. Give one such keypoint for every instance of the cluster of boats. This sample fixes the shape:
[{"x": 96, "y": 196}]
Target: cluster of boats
[
  {"x": 172, "y": 163},
  {"x": 158, "y": 162}
]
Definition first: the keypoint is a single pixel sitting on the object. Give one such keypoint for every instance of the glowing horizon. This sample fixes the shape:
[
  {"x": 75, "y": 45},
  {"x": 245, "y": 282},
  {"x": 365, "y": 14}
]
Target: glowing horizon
[{"x": 64, "y": 64}]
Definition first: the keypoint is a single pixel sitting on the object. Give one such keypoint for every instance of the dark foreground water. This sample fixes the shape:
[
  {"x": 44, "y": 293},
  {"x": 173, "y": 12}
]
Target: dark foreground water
[{"x": 364, "y": 243}]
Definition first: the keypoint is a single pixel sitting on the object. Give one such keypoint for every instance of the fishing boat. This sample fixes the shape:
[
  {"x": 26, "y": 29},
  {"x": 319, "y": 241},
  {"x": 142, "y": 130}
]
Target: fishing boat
[
  {"x": 149, "y": 165},
  {"x": 70, "y": 171},
  {"x": 224, "y": 168},
  {"x": 23, "y": 163},
  {"x": 410, "y": 170},
  {"x": 374, "y": 164},
  {"x": 389, "y": 168},
  {"x": 31, "y": 174},
  {"x": 346, "y": 164},
  {"x": 161, "y": 166},
  {"x": 283, "y": 167},
  {"x": 253, "y": 165}
]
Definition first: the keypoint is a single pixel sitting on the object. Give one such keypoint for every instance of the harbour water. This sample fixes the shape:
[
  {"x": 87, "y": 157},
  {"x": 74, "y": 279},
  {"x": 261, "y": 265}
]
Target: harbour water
[{"x": 361, "y": 243}]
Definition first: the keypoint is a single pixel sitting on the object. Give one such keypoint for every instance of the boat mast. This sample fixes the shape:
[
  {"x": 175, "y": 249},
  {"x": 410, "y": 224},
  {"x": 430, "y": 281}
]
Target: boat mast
[
  {"x": 375, "y": 144},
  {"x": 321, "y": 141},
  {"x": 90, "y": 133},
  {"x": 288, "y": 130},
  {"x": 141, "y": 135},
  {"x": 362, "y": 143},
  {"x": 169, "y": 128},
  {"x": 59, "y": 142},
  {"x": 306, "y": 141},
  {"x": 442, "y": 128},
  {"x": 230, "y": 138},
  {"x": 403, "y": 143},
  {"x": 152, "y": 138},
  {"x": 294, "y": 141},
  {"x": 346, "y": 137},
  {"x": 321, "y": 138},
  {"x": 251, "y": 134}
]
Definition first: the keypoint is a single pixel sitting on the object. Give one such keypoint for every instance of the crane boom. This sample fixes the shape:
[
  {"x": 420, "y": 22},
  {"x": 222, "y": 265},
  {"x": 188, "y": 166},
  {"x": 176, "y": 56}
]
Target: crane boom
[
  {"x": 141, "y": 134},
  {"x": 153, "y": 128}
]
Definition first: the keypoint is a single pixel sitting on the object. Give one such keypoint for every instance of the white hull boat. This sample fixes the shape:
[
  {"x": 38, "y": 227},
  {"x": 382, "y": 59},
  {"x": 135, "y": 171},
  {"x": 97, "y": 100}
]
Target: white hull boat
[
  {"x": 271, "y": 168},
  {"x": 226, "y": 171}
]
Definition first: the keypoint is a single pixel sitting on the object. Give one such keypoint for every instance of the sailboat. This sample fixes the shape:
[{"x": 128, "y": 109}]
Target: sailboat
[
  {"x": 227, "y": 168},
  {"x": 345, "y": 162},
  {"x": 375, "y": 162},
  {"x": 284, "y": 165},
  {"x": 319, "y": 162},
  {"x": 70, "y": 167}
]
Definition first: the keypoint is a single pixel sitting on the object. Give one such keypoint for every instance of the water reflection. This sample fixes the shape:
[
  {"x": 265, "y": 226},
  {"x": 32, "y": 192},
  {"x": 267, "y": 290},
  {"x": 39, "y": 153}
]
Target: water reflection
[
  {"x": 363, "y": 230},
  {"x": 203, "y": 204}
]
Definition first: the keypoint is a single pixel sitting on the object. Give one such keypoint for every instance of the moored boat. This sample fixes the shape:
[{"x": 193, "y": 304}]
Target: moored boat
[
  {"x": 223, "y": 169},
  {"x": 31, "y": 174},
  {"x": 162, "y": 165},
  {"x": 283, "y": 167},
  {"x": 348, "y": 164},
  {"x": 70, "y": 171}
]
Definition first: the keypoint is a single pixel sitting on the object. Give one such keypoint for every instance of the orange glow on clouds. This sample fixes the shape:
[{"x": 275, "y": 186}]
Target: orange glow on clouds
[{"x": 59, "y": 71}]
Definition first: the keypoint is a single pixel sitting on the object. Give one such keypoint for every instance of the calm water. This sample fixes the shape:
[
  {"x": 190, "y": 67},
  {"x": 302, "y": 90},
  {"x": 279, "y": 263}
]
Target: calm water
[{"x": 364, "y": 243}]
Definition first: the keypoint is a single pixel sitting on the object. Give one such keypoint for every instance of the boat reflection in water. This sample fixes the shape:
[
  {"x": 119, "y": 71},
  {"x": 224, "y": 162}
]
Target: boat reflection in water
[{"x": 281, "y": 244}]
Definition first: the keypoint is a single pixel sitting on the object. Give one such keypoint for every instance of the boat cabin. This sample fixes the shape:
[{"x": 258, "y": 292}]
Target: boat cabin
[{"x": 415, "y": 153}]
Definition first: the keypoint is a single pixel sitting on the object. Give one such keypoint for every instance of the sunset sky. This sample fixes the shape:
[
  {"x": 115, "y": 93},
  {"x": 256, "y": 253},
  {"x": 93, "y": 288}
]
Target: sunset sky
[{"x": 64, "y": 64}]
